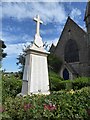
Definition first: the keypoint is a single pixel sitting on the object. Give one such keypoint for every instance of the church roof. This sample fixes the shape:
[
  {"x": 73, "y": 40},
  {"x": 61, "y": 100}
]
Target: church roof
[
  {"x": 87, "y": 12},
  {"x": 68, "y": 24}
]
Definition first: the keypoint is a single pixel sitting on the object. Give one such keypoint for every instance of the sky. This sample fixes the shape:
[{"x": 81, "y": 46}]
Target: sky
[{"x": 18, "y": 28}]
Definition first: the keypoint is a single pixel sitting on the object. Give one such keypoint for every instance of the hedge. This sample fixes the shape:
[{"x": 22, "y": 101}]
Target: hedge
[
  {"x": 75, "y": 84},
  {"x": 57, "y": 83},
  {"x": 54, "y": 81},
  {"x": 61, "y": 105},
  {"x": 11, "y": 86}
]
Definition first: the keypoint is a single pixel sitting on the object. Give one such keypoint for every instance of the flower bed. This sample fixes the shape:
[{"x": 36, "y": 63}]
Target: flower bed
[{"x": 61, "y": 105}]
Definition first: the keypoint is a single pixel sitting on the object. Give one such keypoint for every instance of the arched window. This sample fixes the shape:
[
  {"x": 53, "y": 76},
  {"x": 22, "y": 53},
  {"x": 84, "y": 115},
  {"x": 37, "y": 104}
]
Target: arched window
[
  {"x": 65, "y": 74},
  {"x": 71, "y": 52}
]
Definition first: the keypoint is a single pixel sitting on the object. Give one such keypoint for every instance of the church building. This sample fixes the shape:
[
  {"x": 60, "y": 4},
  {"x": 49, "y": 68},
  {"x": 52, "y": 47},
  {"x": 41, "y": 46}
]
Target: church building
[{"x": 73, "y": 48}]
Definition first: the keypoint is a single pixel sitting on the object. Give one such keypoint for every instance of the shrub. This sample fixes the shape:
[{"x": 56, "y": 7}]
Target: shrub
[
  {"x": 57, "y": 83},
  {"x": 80, "y": 83},
  {"x": 61, "y": 105},
  {"x": 75, "y": 84},
  {"x": 54, "y": 63},
  {"x": 54, "y": 81},
  {"x": 11, "y": 86}
]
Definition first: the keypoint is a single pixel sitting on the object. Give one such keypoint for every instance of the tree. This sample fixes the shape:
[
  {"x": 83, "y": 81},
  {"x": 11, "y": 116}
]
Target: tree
[
  {"x": 2, "y": 47},
  {"x": 54, "y": 63},
  {"x": 21, "y": 62}
]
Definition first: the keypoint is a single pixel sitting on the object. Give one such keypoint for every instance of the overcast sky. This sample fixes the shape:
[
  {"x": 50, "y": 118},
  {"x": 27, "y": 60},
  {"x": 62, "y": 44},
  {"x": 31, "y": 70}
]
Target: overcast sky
[{"x": 18, "y": 27}]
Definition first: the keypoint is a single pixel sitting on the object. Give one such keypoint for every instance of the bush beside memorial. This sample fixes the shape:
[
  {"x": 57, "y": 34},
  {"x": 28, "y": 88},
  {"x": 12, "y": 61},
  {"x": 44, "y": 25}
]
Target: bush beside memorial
[
  {"x": 11, "y": 86},
  {"x": 65, "y": 104},
  {"x": 57, "y": 83},
  {"x": 61, "y": 105}
]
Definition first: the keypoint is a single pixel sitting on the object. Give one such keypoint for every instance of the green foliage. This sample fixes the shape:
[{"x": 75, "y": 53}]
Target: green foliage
[
  {"x": 11, "y": 86},
  {"x": 54, "y": 81},
  {"x": 61, "y": 105},
  {"x": 0, "y": 91},
  {"x": 2, "y": 47},
  {"x": 57, "y": 83},
  {"x": 21, "y": 63},
  {"x": 80, "y": 82},
  {"x": 75, "y": 84},
  {"x": 54, "y": 63}
]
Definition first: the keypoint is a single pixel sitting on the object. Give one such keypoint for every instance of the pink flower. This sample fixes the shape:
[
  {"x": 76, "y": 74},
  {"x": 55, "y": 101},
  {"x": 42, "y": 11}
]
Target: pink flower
[
  {"x": 27, "y": 106},
  {"x": 50, "y": 107},
  {"x": 1, "y": 109}
]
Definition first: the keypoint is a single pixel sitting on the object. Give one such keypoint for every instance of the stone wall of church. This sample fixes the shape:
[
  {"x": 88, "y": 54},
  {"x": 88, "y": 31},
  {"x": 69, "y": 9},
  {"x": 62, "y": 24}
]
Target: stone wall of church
[
  {"x": 89, "y": 58},
  {"x": 76, "y": 66}
]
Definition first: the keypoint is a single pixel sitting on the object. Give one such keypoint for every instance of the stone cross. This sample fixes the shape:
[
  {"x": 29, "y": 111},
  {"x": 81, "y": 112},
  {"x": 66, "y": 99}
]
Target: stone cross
[{"x": 38, "y": 24}]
